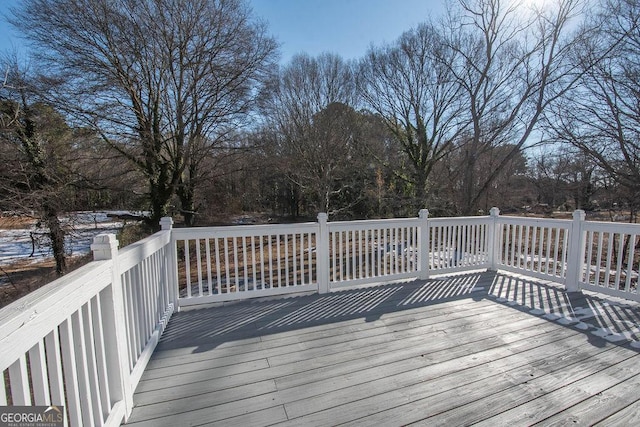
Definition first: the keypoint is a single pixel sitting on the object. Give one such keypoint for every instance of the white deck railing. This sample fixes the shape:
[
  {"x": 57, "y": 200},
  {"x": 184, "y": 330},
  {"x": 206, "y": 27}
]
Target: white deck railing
[{"x": 83, "y": 341}]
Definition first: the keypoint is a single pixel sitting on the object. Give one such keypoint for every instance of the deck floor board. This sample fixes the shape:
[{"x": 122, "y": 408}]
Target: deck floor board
[{"x": 489, "y": 348}]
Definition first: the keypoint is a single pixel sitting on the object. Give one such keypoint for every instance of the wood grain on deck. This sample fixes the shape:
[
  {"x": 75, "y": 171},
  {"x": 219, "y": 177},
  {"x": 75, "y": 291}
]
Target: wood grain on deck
[{"x": 485, "y": 348}]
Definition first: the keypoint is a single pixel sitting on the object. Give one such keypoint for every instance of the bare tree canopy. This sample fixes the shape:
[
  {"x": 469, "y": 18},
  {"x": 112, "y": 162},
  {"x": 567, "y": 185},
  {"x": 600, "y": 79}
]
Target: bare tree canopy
[
  {"x": 601, "y": 115},
  {"x": 410, "y": 87},
  {"x": 309, "y": 103},
  {"x": 159, "y": 79},
  {"x": 512, "y": 62},
  {"x": 189, "y": 94},
  {"x": 35, "y": 147}
]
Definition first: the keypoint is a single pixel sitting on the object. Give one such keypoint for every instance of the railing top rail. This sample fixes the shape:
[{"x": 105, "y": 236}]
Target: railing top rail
[
  {"x": 540, "y": 222},
  {"x": 243, "y": 230},
  {"x": 461, "y": 219},
  {"x": 373, "y": 223},
  {"x": 617, "y": 227},
  {"x": 131, "y": 255},
  {"x": 27, "y": 320}
]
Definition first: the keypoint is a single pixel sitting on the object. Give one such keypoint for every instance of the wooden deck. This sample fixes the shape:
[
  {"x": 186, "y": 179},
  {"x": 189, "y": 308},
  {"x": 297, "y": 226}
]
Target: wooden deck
[{"x": 485, "y": 348}]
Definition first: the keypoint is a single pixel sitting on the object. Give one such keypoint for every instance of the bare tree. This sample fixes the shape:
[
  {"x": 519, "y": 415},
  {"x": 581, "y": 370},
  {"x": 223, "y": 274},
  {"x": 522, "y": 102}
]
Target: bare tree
[
  {"x": 160, "y": 80},
  {"x": 601, "y": 115},
  {"x": 512, "y": 62},
  {"x": 35, "y": 143},
  {"x": 408, "y": 84},
  {"x": 563, "y": 176},
  {"x": 309, "y": 103}
]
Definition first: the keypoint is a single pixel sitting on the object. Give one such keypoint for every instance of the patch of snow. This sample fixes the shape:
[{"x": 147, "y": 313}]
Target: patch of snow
[{"x": 81, "y": 227}]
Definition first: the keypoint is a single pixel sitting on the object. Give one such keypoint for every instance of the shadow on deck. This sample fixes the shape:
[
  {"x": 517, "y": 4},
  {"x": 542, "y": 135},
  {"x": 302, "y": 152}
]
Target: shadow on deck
[
  {"x": 483, "y": 347},
  {"x": 616, "y": 320}
]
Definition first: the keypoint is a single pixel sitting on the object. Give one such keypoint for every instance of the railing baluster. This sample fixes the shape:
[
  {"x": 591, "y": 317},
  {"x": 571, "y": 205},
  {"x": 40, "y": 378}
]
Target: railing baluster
[
  {"x": 291, "y": 271},
  {"x": 286, "y": 259},
  {"x": 39, "y": 377},
  {"x": 227, "y": 276},
  {"x": 630, "y": 255},
  {"x": 262, "y": 273},
  {"x": 254, "y": 266},
  {"x": 100, "y": 354},
  {"x": 565, "y": 246},
  {"x": 467, "y": 258},
  {"x": 310, "y": 264},
  {"x": 236, "y": 273},
  {"x": 588, "y": 261},
  {"x": 439, "y": 247},
  {"x": 19, "y": 380},
  {"x": 514, "y": 243},
  {"x": 199, "y": 266},
  {"x": 548, "y": 252},
  {"x": 54, "y": 367},
  {"x": 355, "y": 258},
  {"x": 70, "y": 374},
  {"x": 541, "y": 249},
  {"x": 139, "y": 309},
  {"x": 130, "y": 318},
  {"x": 207, "y": 253},
  {"x": 216, "y": 247},
  {"x": 619, "y": 261},
  {"x": 91, "y": 367},
  {"x": 556, "y": 251},
  {"x": 279, "y": 259},
  {"x": 187, "y": 267},
  {"x": 245, "y": 263},
  {"x": 270, "y": 237},
  {"x": 532, "y": 245},
  {"x": 505, "y": 231},
  {"x": 80, "y": 352},
  {"x": 599, "y": 258},
  {"x": 340, "y": 255}
]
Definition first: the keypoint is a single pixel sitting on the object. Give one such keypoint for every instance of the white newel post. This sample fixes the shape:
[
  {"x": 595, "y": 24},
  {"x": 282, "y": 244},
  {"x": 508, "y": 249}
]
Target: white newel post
[
  {"x": 575, "y": 255},
  {"x": 322, "y": 253},
  {"x": 105, "y": 247},
  {"x": 423, "y": 249},
  {"x": 172, "y": 263},
  {"x": 493, "y": 238}
]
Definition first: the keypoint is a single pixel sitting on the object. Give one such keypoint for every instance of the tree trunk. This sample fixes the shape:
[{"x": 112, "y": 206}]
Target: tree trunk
[
  {"x": 160, "y": 191},
  {"x": 468, "y": 181},
  {"x": 56, "y": 234},
  {"x": 186, "y": 194}
]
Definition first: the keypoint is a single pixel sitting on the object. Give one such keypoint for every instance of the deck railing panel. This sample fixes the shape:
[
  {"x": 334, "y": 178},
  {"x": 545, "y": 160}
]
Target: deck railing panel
[
  {"x": 534, "y": 246},
  {"x": 144, "y": 272},
  {"x": 61, "y": 344},
  {"x": 228, "y": 263},
  {"x": 362, "y": 252},
  {"x": 611, "y": 260},
  {"x": 57, "y": 352},
  {"x": 457, "y": 244}
]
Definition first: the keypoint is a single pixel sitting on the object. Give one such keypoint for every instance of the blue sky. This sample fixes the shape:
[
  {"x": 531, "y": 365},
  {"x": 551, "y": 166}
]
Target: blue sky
[{"x": 345, "y": 27}]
